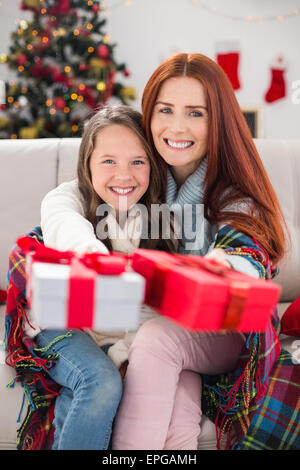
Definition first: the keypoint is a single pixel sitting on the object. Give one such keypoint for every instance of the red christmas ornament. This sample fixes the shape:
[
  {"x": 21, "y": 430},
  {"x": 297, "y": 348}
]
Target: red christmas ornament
[
  {"x": 95, "y": 8},
  {"x": 103, "y": 51},
  {"x": 58, "y": 76},
  {"x": 83, "y": 67},
  {"x": 22, "y": 58},
  {"x": 62, "y": 8},
  {"x": 110, "y": 85},
  {"x": 126, "y": 73},
  {"x": 89, "y": 96},
  {"x": 39, "y": 71},
  {"x": 59, "y": 103}
]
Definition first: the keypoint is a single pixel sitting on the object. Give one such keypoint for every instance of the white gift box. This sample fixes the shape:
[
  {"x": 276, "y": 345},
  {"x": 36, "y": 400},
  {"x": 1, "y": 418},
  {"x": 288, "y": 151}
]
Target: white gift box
[{"x": 117, "y": 299}]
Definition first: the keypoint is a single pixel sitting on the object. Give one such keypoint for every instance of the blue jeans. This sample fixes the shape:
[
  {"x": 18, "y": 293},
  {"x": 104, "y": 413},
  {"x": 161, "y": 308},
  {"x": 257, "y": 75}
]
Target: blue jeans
[{"x": 90, "y": 394}]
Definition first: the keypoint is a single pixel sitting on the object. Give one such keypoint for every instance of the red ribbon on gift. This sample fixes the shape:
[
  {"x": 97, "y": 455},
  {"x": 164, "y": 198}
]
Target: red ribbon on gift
[
  {"x": 84, "y": 270},
  {"x": 238, "y": 290}
]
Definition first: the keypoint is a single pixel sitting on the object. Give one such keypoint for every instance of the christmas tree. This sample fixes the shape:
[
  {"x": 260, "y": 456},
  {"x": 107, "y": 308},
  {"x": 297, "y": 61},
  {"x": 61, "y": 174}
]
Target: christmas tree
[{"x": 65, "y": 69}]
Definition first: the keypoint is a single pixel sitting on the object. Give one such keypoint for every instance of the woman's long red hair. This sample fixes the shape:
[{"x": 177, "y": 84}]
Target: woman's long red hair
[{"x": 235, "y": 171}]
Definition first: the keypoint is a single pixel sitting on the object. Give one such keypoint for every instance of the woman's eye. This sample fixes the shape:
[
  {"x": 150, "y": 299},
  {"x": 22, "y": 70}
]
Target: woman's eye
[
  {"x": 196, "y": 113},
  {"x": 165, "y": 110},
  {"x": 138, "y": 162},
  {"x": 108, "y": 161}
]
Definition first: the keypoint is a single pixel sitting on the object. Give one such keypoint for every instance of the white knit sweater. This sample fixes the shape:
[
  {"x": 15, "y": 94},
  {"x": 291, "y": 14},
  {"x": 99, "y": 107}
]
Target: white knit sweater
[{"x": 128, "y": 240}]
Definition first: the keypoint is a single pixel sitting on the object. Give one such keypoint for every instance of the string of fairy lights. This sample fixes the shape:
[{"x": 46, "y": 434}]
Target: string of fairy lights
[{"x": 110, "y": 6}]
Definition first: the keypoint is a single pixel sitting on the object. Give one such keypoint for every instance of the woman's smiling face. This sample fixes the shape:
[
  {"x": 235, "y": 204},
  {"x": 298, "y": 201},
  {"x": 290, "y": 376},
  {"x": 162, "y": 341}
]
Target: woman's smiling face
[{"x": 179, "y": 124}]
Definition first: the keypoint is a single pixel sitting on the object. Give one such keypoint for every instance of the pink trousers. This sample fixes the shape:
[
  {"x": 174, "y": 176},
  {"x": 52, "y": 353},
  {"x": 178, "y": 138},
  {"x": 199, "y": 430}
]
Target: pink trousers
[{"x": 161, "y": 403}]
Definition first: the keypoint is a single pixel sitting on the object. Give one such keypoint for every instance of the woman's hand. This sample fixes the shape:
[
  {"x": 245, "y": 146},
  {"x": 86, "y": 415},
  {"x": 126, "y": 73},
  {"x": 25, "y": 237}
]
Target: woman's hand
[{"x": 218, "y": 255}]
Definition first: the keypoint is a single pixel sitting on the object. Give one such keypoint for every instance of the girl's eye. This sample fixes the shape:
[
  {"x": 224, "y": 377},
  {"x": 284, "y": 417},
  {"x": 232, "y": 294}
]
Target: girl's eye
[
  {"x": 138, "y": 162},
  {"x": 108, "y": 161}
]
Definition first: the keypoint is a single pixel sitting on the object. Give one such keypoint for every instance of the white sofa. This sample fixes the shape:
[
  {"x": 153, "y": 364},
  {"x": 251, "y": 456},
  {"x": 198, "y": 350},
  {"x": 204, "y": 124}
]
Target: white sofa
[{"x": 31, "y": 168}]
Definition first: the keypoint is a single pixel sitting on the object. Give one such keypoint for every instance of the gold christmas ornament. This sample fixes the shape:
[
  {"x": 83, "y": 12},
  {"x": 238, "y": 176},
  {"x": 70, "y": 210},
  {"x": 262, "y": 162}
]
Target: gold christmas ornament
[
  {"x": 30, "y": 132},
  {"x": 101, "y": 86},
  {"x": 40, "y": 123},
  {"x": 64, "y": 129},
  {"x": 4, "y": 122},
  {"x": 13, "y": 89},
  {"x": 96, "y": 65},
  {"x": 32, "y": 3},
  {"x": 128, "y": 93}
]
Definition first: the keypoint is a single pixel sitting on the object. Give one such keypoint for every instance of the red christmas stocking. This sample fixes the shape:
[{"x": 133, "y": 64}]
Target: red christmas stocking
[
  {"x": 228, "y": 58},
  {"x": 276, "y": 89}
]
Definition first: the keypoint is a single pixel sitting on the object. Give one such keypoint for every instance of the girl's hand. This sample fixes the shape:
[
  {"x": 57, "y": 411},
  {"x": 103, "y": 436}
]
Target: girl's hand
[{"x": 218, "y": 255}]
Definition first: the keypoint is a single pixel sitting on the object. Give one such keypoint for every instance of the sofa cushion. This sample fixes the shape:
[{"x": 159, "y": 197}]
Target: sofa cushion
[
  {"x": 28, "y": 172},
  {"x": 281, "y": 159},
  {"x": 67, "y": 159}
]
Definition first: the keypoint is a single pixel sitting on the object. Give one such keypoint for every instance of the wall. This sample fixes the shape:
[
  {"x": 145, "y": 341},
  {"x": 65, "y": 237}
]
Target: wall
[{"x": 148, "y": 31}]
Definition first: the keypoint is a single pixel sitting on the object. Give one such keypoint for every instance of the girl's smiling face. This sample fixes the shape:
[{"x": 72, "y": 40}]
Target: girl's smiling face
[
  {"x": 120, "y": 167},
  {"x": 179, "y": 124}
]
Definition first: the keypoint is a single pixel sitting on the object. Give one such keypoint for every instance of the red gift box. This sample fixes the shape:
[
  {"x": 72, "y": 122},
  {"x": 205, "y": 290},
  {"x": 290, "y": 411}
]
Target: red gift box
[
  {"x": 201, "y": 294},
  {"x": 67, "y": 290}
]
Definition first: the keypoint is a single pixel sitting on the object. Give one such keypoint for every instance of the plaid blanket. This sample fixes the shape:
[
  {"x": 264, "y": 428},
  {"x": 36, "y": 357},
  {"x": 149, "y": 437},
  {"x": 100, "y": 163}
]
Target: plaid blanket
[
  {"x": 255, "y": 407},
  {"x": 36, "y": 432}
]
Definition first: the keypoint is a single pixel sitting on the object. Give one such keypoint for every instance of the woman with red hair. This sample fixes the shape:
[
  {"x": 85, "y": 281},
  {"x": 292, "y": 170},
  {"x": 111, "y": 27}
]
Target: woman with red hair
[{"x": 194, "y": 124}]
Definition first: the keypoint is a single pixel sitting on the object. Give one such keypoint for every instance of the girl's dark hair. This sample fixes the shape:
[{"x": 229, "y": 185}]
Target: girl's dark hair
[{"x": 132, "y": 119}]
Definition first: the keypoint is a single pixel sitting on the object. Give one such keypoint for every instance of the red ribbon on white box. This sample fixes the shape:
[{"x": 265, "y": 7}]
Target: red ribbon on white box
[{"x": 84, "y": 270}]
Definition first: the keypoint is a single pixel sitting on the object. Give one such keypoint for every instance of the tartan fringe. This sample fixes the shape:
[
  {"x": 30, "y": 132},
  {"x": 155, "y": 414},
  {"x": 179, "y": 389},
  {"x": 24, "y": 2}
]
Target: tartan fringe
[
  {"x": 36, "y": 431},
  {"x": 238, "y": 398},
  {"x": 34, "y": 436}
]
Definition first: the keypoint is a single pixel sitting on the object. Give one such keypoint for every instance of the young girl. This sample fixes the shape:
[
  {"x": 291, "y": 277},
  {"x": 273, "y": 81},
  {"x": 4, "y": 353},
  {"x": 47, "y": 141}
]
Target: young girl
[{"x": 114, "y": 168}]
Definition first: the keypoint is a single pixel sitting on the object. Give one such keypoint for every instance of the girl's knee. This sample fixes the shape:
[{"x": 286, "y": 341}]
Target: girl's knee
[
  {"x": 155, "y": 331},
  {"x": 157, "y": 337},
  {"x": 112, "y": 386},
  {"x": 108, "y": 374},
  {"x": 105, "y": 384}
]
